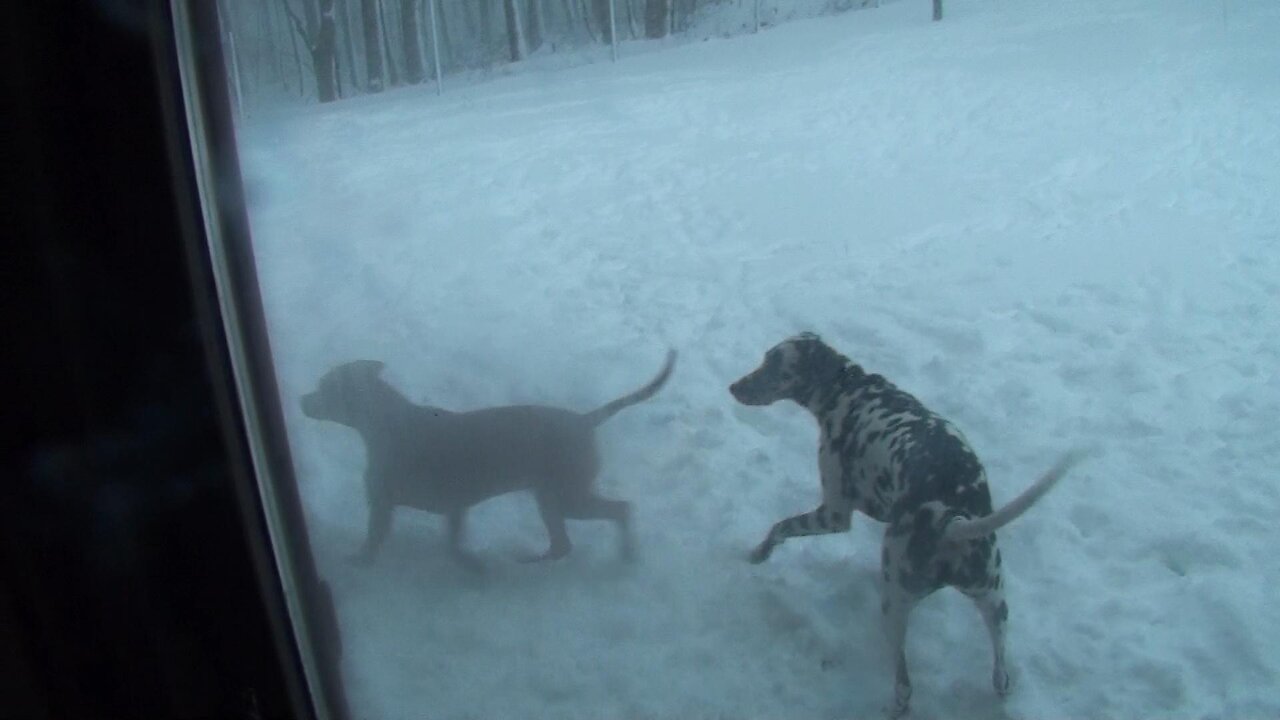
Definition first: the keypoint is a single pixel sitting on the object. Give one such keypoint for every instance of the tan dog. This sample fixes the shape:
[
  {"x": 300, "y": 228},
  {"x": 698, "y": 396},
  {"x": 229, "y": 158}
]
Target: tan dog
[{"x": 444, "y": 462}]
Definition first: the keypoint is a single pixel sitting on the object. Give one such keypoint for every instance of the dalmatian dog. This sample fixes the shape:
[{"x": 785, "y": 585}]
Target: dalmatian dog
[{"x": 883, "y": 453}]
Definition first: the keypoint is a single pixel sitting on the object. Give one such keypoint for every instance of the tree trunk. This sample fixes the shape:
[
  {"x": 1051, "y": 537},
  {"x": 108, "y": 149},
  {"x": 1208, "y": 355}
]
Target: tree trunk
[
  {"x": 570, "y": 8},
  {"x": 486, "y": 25},
  {"x": 600, "y": 14},
  {"x": 348, "y": 46},
  {"x": 682, "y": 14},
  {"x": 633, "y": 32},
  {"x": 937, "y": 10},
  {"x": 264, "y": 51},
  {"x": 514, "y": 39},
  {"x": 470, "y": 27},
  {"x": 319, "y": 39},
  {"x": 277, "y": 65},
  {"x": 324, "y": 55},
  {"x": 372, "y": 47},
  {"x": 297, "y": 61},
  {"x": 313, "y": 21},
  {"x": 535, "y": 25},
  {"x": 435, "y": 45},
  {"x": 584, "y": 14},
  {"x": 657, "y": 18},
  {"x": 447, "y": 59},
  {"x": 413, "y": 72},
  {"x": 393, "y": 75}
]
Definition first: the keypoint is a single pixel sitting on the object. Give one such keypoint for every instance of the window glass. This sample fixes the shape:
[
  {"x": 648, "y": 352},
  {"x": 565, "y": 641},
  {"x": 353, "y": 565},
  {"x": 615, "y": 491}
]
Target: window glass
[{"x": 514, "y": 254}]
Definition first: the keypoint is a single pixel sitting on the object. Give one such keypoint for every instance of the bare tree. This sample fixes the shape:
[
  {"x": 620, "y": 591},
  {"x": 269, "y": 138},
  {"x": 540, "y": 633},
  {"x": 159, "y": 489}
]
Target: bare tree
[
  {"x": 393, "y": 75},
  {"x": 309, "y": 12},
  {"x": 447, "y": 56},
  {"x": 268, "y": 30},
  {"x": 324, "y": 54},
  {"x": 413, "y": 72},
  {"x": 372, "y": 47},
  {"x": 536, "y": 30},
  {"x": 583, "y": 13},
  {"x": 318, "y": 36},
  {"x": 344, "y": 12},
  {"x": 515, "y": 38},
  {"x": 632, "y": 30},
  {"x": 657, "y": 18},
  {"x": 486, "y": 22},
  {"x": 297, "y": 61},
  {"x": 383, "y": 42},
  {"x": 431, "y": 22},
  {"x": 682, "y": 12},
  {"x": 600, "y": 13}
]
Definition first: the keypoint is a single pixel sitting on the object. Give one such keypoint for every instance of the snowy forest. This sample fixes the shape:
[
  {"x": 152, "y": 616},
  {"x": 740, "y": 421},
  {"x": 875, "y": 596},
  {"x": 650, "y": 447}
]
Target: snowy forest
[{"x": 325, "y": 50}]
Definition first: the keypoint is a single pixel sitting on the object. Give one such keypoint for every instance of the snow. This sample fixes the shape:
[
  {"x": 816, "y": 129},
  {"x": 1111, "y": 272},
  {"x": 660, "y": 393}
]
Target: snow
[{"x": 1054, "y": 222}]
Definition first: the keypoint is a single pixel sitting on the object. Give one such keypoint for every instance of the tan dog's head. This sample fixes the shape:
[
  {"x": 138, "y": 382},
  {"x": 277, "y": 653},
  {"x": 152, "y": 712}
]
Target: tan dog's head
[{"x": 344, "y": 392}]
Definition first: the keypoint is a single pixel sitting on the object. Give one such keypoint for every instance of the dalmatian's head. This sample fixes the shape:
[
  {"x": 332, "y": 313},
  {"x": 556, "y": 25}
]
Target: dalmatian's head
[{"x": 792, "y": 370}]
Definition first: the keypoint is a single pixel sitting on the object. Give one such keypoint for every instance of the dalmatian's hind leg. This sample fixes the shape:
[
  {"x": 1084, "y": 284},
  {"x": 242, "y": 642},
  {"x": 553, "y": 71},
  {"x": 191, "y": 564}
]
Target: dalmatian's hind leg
[
  {"x": 995, "y": 613},
  {"x": 895, "y": 606},
  {"x": 984, "y": 585}
]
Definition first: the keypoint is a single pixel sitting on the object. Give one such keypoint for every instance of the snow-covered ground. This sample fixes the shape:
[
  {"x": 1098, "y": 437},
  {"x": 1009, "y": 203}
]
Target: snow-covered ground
[{"x": 1055, "y": 222}]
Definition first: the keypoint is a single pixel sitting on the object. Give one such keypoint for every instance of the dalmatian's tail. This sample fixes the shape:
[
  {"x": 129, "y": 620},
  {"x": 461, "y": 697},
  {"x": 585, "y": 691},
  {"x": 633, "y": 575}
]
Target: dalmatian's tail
[
  {"x": 600, "y": 414},
  {"x": 962, "y": 529}
]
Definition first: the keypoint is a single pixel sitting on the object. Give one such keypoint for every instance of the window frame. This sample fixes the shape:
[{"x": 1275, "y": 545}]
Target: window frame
[{"x": 210, "y": 195}]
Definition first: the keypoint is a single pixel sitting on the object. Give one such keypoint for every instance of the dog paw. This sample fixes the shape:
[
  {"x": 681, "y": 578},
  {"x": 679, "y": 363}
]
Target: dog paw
[
  {"x": 1000, "y": 680},
  {"x": 363, "y": 558},
  {"x": 552, "y": 554},
  {"x": 470, "y": 563},
  {"x": 629, "y": 555},
  {"x": 901, "y": 700}
]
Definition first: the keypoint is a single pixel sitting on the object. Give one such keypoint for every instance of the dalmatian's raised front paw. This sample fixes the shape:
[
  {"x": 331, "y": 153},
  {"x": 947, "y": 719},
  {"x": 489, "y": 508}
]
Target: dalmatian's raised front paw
[{"x": 760, "y": 553}]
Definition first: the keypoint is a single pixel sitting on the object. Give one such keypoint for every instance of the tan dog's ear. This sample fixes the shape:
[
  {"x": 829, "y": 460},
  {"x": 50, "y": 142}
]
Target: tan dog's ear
[{"x": 371, "y": 368}]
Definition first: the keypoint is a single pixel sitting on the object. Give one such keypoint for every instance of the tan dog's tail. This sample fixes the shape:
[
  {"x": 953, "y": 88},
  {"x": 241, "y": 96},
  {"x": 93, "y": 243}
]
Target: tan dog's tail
[
  {"x": 599, "y": 415},
  {"x": 962, "y": 529}
]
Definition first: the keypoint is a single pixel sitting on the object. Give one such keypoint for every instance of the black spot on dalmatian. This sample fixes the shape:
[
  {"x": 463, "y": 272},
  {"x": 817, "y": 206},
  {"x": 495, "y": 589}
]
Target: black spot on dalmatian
[{"x": 874, "y": 507}]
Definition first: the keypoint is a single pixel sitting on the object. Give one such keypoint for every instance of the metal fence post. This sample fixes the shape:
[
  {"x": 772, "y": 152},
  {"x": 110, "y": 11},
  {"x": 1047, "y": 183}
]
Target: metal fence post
[
  {"x": 435, "y": 46},
  {"x": 613, "y": 32}
]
